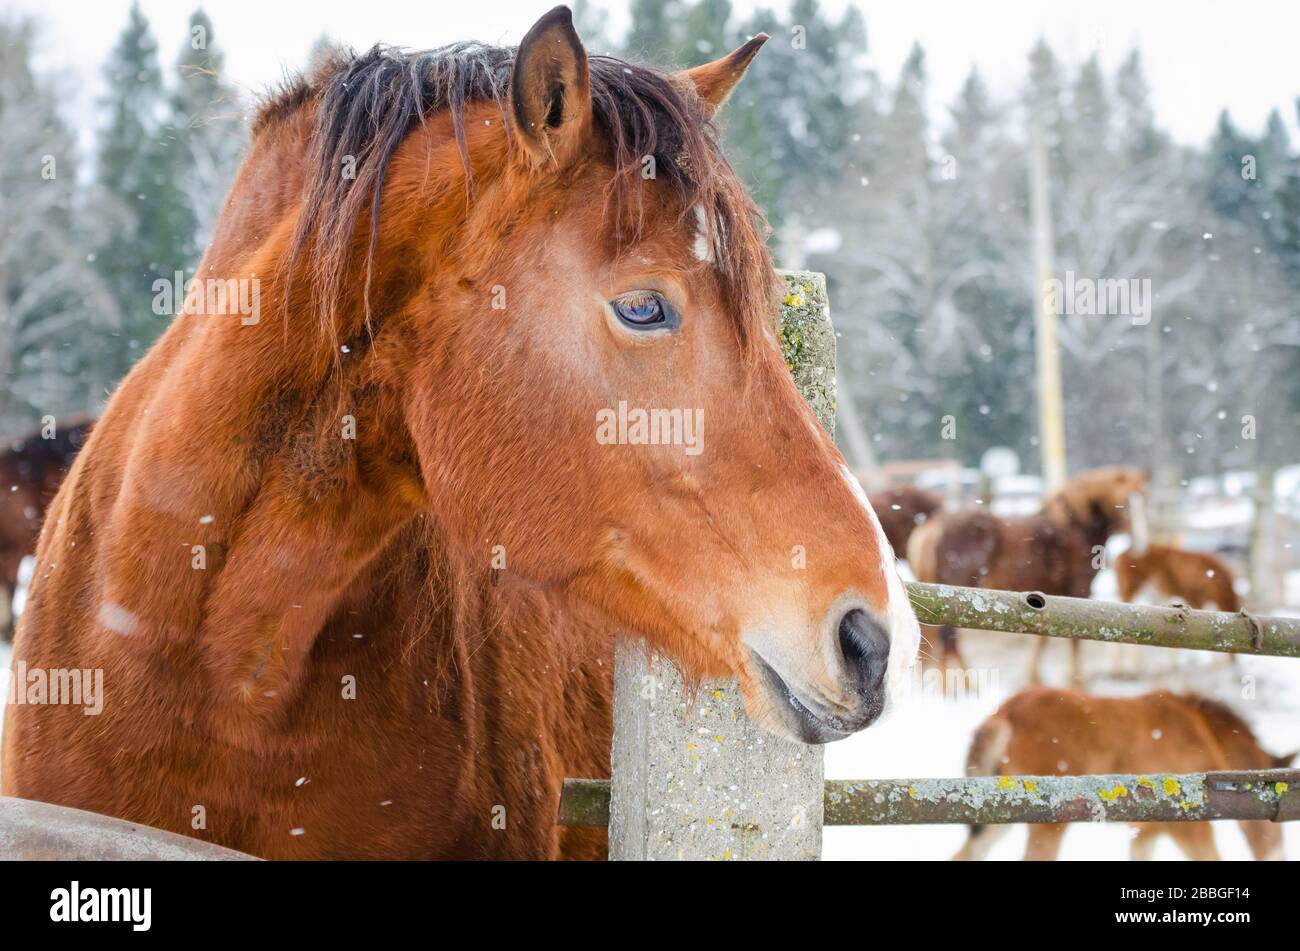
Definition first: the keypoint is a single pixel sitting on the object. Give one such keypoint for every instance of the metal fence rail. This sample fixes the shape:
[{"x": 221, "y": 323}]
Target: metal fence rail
[
  {"x": 1032, "y": 612},
  {"x": 1271, "y": 795}
]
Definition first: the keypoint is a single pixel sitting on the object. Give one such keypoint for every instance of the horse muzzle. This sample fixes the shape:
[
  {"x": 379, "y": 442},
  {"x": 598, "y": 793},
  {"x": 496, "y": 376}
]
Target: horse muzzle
[{"x": 848, "y": 697}]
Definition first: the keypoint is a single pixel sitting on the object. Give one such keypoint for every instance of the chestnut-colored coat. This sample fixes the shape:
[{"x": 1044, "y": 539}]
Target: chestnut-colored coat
[
  {"x": 1058, "y": 551},
  {"x": 1043, "y": 732},
  {"x": 351, "y": 568},
  {"x": 900, "y": 510},
  {"x": 1199, "y": 579},
  {"x": 31, "y": 470}
]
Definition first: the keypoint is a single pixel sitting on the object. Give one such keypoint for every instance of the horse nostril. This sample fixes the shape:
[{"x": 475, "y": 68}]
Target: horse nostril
[{"x": 866, "y": 649}]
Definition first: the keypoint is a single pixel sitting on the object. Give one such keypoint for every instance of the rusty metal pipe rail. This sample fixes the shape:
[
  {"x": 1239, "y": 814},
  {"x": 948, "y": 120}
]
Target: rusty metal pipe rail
[
  {"x": 1031, "y": 612},
  {"x": 1270, "y": 795}
]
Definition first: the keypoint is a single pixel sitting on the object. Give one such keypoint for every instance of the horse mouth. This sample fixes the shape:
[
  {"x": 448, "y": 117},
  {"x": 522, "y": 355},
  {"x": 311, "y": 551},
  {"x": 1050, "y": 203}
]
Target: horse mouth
[{"x": 808, "y": 726}]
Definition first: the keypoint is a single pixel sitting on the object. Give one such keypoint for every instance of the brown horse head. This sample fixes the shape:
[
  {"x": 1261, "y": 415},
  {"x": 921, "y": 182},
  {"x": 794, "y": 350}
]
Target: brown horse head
[
  {"x": 1097, "y": 500},
  {"x": 515, "y": 316},
  {"x": 503, "y": 379},
  {"x": 552, "y": 293}
]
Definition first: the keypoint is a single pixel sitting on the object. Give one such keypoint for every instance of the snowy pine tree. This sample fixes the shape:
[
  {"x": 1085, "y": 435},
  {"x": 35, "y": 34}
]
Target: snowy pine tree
[
  {"x": 54, "y": 308},
  {"x": 138, "y": 165},
  {"x": 206, "y": 130}
]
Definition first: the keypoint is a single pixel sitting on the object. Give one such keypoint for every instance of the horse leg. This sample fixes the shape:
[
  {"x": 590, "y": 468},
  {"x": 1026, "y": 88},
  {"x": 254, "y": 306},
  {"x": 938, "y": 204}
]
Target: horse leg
[
  {"x": 1196, "y": 839},
  {"x": 1044, "y": 842},
  {"x": 7, "y": 619},
  {"x": 980, "y": 842},
  {"x": 951, "y": 652},
  {"x": 1036, "y": 661},
  {"x": 1076, "y": 664},
  {"x": 1144, "y": 842},
  {"x": 1264, "y": 839}
]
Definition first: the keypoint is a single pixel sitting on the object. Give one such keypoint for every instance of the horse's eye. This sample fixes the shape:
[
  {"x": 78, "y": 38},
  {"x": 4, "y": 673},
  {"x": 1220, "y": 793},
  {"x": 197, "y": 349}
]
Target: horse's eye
[{"x": 643, "y": 310}]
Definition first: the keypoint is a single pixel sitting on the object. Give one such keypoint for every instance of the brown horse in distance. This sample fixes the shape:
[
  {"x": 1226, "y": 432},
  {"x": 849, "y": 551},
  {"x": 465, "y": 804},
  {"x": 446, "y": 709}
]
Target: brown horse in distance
[
  {"x": 352, "y": 569},
  {"x": 1056, "y": 551},
  {"x": 1198, "y": 579},
  {"x": 1042, "y": 732},
  {"x": 31, "y": 469},
  {"x": 900, "y": 510}
]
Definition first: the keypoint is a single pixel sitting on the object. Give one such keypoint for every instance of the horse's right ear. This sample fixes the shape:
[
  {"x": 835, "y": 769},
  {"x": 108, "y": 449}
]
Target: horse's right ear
[
  {"x": 714, "y": 81},
  {"x": 550, "y": 91}
]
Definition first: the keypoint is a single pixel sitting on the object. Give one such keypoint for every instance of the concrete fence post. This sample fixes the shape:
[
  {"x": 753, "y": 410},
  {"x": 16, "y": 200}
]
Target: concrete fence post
[{"x": 692, "y": 778}]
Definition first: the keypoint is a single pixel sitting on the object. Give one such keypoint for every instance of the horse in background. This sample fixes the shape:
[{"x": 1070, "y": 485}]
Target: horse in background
[
  {"x": 1198, "y": 579},
  {"x": 1042, "y": 732},
  {"x": 352, "y": 569},
  {"x": 900, "y": 510},
  {"x": 32, "y": 467},
  {"x": 1056, "y": 551}
]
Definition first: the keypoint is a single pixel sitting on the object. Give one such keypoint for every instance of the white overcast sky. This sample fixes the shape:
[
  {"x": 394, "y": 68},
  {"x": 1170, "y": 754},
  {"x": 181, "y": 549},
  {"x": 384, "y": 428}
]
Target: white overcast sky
[{"x": 1201, "y": 56}]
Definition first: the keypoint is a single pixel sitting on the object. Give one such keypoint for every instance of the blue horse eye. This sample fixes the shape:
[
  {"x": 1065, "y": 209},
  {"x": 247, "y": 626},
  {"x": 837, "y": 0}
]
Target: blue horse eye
[{"x": 641, "y": 311}]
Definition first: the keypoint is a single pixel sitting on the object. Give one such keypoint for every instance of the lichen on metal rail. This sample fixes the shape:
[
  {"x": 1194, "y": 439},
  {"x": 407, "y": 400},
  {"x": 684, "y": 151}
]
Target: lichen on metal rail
[
  {"x": 1032, "y": 612},
  {"x": 1153, "y": 797},
  {"x": 1272, "y": 795}
]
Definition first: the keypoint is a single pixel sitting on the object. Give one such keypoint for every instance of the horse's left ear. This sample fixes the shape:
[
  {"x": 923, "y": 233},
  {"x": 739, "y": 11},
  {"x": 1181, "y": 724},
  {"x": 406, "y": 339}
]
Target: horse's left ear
[
  {"x": 550, "y": 91},
  {"x": 714, "y": 81}
]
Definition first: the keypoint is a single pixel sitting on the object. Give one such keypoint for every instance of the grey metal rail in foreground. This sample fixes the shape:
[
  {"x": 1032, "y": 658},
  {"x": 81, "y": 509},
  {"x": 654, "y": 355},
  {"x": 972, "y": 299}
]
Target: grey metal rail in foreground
[
  {"x": 1032, "y": 612},
  {"x": 31, "y": 830},
  {"x": 1271, "y": 795}
]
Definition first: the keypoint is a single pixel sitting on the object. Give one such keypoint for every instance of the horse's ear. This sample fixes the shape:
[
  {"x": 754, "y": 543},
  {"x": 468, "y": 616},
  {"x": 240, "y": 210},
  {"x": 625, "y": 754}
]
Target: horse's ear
[
  {"x": 550, "y": 90},
  {"x": 714, "y": 81}
]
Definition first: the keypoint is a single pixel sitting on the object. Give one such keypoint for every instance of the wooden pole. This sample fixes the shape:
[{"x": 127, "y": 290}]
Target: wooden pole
[
  {"x": 692, "y": 777},
  {"x": 1265, "y": 587},
  {"x": 1051, "y": 424}
]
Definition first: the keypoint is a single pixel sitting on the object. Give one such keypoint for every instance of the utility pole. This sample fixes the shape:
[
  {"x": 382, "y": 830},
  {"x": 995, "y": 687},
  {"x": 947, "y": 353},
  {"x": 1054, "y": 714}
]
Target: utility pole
[{"x": 1051, "y": 425}]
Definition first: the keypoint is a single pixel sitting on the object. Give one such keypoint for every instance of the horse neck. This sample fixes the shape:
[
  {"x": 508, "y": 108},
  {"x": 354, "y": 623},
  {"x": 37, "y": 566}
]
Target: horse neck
[
  {"x": 1234, "y": 733},
  {"x": 1093, "y": 531},
  {"x": 248, "y": 427},
  {"x": 266, "y": 193},
  {"x": 254, "y": 418}
]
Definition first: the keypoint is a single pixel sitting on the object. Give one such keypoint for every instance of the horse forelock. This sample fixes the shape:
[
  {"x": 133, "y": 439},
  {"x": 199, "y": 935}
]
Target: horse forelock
[{"x": 366, "y": 104}]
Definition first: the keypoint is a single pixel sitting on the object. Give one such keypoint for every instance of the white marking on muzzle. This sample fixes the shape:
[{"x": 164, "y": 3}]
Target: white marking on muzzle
[{"x": 904, "y": 631}]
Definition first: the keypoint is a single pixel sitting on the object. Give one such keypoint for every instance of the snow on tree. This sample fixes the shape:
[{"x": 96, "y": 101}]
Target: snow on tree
[{"x": 53, "y": 303}]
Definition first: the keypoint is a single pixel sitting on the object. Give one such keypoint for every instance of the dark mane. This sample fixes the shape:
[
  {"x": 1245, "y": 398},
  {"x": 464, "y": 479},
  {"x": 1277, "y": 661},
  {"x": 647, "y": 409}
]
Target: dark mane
[
  {"x": 366, "y": 105},
  {"x": 1218, "y": 710}
]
